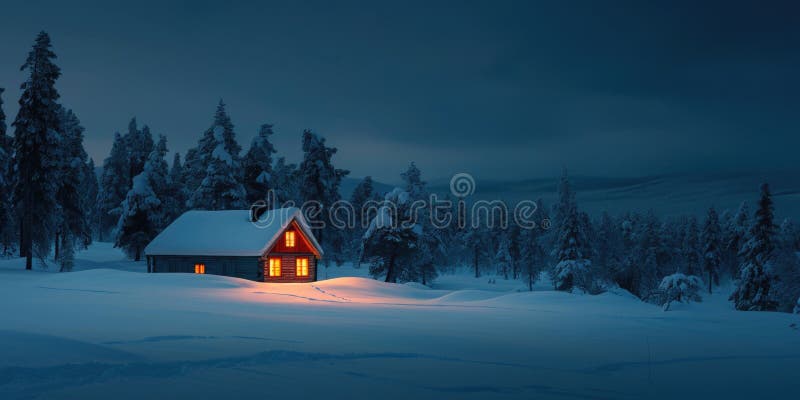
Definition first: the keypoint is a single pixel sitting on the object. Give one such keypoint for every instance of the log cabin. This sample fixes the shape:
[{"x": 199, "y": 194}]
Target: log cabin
[{"x": 269, "y": 246}]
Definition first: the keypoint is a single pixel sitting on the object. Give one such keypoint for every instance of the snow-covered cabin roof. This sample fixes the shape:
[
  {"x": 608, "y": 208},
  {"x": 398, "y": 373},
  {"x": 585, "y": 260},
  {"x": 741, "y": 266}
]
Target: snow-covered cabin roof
[{"x": 227, "y": 233}]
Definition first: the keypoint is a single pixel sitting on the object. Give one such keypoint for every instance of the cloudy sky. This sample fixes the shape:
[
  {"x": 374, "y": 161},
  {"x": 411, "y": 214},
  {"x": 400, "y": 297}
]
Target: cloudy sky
[{"x": 494, "y": 88}]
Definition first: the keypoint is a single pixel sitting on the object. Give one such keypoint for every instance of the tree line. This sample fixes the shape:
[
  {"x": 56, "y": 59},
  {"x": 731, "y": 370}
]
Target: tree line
[{"x": 52, "y": 203}]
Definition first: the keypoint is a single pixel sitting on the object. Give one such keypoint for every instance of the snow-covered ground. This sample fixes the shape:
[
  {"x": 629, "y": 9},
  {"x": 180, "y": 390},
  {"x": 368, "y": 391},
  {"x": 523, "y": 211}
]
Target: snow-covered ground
[{"x": 109, "y": 330}]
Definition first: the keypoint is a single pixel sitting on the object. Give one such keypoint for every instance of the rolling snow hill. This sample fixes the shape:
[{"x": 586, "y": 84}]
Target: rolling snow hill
[{"x": 110, "y": 330}]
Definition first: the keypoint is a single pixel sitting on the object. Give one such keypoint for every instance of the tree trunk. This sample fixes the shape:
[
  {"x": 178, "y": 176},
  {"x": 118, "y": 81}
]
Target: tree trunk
[
  {"x": 22, "y": 252},
  {"x": 55, "y": 257},
  {"x": 710, "y": 279},
  {"x": 390, "y": 269},
  {"x": 138, "y": 256},
  {"x": 530, "y": 281},
  {"x": 475, "y": 263}
]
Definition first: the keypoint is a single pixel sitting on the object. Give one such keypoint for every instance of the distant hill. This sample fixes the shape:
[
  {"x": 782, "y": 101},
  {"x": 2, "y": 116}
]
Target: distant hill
[{"x": 666, "y": 195}]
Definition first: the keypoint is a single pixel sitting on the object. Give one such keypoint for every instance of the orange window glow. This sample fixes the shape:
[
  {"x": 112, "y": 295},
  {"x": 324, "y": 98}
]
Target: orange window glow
[
  {"x": 289, "y": 239},
  {"x": 274, "y": 267},
  {"x": 199, "y": 268},
  {"x": 302, "y": 266}
]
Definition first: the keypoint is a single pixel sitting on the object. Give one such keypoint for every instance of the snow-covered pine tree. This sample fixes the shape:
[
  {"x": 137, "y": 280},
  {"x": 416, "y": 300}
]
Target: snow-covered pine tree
[
  {"x": 648, "y": 250},
  {"x": 36, "y": 142},
  {"x": 624, "y": 273},
  {"x": 257, "y": 165},
  {"x": 362, "y": 193},
  {"x": 753, "y": 287},
  {"x": 786, "y": 268},
  {"x": 193, "y": 172},
  {"x": 679, "y": 287},
  {"x": 142, "y": 212},
  {"x": 509, "y": 252},
  {"x": 790, "y": 235},
  {"x": 72, "y": 224},
  {"x": 218, "y": 153},
  {"x": 690, "y": 248},
  {"x": 429, "y": 240},
  {"x": 736, "y": 237},
  {"x": 285, "y": 178},
  {"x": 414, "y": 185},
  {"x": 139, "y": 144},
  {"x": 532, "y": 252},
  {"x": 89, "y": 191},
  {"x": 114, "y": 186},
  {"x": 221, "y": 188},
  {"x": 391, "y": 239},
  {"x": 474, "y": 239},
  {"x": 8, "y": 226},
  {"x": 158, "y": 175},
  {"x": 607, "y": 243},
  {"x": 503, "y": 255},
  {"x": 320, "y": 182},
  {"x": 177, "y": 195},
  {"x": 573, "y": 267},
  {"x": 797, "y": 306},
  {"x": 712, "y": 247}
]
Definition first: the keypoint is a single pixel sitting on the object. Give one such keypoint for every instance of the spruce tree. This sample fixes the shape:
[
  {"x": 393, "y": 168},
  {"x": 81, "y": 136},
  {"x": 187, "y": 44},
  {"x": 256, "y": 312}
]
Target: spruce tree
[
  {"x": 139, "y": 144},
  {"x": 736, "y": 237},
  {"x": 428, "y": 251},
  {"x": 646, "y": 266},
  {"x": 607, "y": 243},
  {"x": 391, "y": 240},
  {"x": 89, "y": 192},
  {"x": 285, "y": 179},
  {"x": 573, "y": 264},
  {"x": 690, "y": 248},
  {"x": 72, "y": 225},
  {"x": 786, "y": 267},
  {"x": 753, "y": 287},
  {"x": 473, "y": 242},
  {"x": 217, "y": 157},
  {"x": 36, "y": 145},
  {"x": 532, "y": 253},
  {"x": 8, "y": 226},
  {"x": 142, "y": 212},
  {"x": 362, "y": 193},
  {"x": 712, "y": 251},
  {"x": 193, "y": 171},
  {"x": 257, "y": 165},
  {"x": 114, "y": 186},
  {"x": 319, "y": 183},
  {"x": 572, "y": 269},
  {"x": 177, "y": 192}
]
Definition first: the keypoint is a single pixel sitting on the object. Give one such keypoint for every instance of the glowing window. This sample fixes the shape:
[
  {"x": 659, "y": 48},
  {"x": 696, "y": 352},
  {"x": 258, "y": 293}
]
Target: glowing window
[
  {"x": 302, "y": 266},
  {"x": 199, "y": 268},
  {"x": 289, "y": 239},
  {"x": 274, "y": 267}
]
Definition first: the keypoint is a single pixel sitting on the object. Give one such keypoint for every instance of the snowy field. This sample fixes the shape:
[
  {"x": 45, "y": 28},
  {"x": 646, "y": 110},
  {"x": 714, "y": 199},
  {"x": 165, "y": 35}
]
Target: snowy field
[{"x": 111, "y": 331}]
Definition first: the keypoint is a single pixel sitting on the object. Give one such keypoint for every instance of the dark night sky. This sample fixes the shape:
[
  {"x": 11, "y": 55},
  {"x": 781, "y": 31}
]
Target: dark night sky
[{"x": 499, "y": 88}]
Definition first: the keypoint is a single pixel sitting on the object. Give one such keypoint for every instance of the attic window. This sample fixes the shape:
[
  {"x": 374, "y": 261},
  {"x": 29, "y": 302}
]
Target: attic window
[
  {"x": 302, "y": 266},
  {"x": 289, "y": 236},
  {"x": 274, "y": 267},
  {"x": 199, "y": 268}
]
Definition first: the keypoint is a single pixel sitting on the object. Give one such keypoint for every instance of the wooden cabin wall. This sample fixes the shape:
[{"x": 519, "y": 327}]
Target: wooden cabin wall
[
  {"x": 289, "y": 268},
  {"x": 239, "y": 267}
]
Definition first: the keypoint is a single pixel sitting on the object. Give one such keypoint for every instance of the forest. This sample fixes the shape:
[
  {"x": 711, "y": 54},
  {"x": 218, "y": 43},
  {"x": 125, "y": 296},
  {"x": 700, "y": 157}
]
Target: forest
[{"x": 52, "y": 204}]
